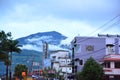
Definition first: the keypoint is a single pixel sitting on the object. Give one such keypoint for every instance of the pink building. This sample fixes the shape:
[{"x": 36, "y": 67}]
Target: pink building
[{"x": 111, "y": 67}]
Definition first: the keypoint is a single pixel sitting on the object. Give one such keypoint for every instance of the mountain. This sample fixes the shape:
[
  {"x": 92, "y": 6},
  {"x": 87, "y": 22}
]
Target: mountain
[
  {"x": 51, "y": 37},
  {"x": 32, "y": 48},
  {"x": 35, "y": 41}
]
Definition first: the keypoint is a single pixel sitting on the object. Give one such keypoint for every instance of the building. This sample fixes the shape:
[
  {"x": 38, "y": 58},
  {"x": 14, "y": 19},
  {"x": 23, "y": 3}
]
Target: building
[
  {"x": 100, "y": 48},
  {"x": 111, "y": 66},
  {"x": 60, "y": 60}
]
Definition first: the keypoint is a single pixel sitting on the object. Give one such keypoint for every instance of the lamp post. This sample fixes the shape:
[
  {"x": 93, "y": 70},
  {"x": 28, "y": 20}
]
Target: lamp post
[{"x": 66, "y": 67}]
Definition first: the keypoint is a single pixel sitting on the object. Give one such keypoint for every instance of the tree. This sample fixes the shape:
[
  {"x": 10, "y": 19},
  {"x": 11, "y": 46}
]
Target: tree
[
  {"x": 92, "y": 70},
  {"x": 3, "y": 39},
  {"x": 7, "y": 45},
  {"x": 51, "y": 73},
  {"x": 3, "y": 49},
  {"x": 19, "y": 69},
  {"x": 13, "y": 46}
]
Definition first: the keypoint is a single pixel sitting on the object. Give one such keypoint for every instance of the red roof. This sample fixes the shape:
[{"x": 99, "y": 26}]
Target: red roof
[{"x": 111, "y": 59}]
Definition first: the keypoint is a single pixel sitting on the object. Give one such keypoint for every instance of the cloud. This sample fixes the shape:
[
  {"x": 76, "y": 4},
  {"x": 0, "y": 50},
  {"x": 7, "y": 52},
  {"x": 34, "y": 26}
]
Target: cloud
[
  {"x": 69, "y": 17},
  {"x": 32, "y": 47},
  {"x": 54, "y": 47},
  {"x": 67, "y": 41},
  {"x": 70, "y": 9},
  {"x": 39, "y": 48},
  {"x": 20, "y": 29}
]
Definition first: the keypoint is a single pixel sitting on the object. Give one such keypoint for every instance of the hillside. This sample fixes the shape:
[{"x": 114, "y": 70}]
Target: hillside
[{"x": 32, "y": 46}]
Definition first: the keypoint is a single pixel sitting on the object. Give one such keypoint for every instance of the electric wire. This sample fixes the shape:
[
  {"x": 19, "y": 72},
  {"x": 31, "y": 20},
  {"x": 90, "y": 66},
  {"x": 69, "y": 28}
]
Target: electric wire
[
  {"x": 105, "y": 24},
  {"x": 99, "y": 49},
  {"x": 112, "y": 25},
  {"x": 115, "y": 23}
]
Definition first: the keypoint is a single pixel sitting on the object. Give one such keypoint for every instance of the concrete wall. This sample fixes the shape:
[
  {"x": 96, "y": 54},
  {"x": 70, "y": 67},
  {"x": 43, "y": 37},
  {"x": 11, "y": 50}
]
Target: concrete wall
[{"x": 98, "y": 51}]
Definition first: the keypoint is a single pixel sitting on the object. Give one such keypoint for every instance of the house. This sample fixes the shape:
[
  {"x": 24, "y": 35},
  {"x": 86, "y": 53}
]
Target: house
[
  {"x": 111, "y": 66},
  {"x": 60, "y": 60},
  {"x": 100, "y": 48}
]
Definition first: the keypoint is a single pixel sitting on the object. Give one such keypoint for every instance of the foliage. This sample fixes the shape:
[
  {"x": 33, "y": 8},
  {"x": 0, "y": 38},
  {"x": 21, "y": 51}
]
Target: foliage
[
  {"x": 4, "y": 37},
  {"x": 55, "y": 74},
  {"x": 7, "y": 45},
  {"x": 12, "y": 46},
  {"x": 19, "y": 69},
  {"x": 3, "y": 42},
  {"x": 47, "y": 74},
  {"x": 92, "y": 70}
]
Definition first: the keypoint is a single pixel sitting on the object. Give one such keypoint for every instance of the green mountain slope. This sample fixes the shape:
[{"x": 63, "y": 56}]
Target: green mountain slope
[{"x": 27, "y": 57}]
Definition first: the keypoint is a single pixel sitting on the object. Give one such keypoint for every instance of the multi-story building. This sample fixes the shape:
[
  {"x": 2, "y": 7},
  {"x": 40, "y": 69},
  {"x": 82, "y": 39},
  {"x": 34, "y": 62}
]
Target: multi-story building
[
  {"x": 60, "y": 60},
  {"x": 111, "y": 66},
  {"x": 105, "y": 49}
]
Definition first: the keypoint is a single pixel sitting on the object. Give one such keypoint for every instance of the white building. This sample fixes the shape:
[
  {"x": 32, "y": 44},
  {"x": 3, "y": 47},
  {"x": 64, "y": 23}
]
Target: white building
[{"x": 61, "y": 61}]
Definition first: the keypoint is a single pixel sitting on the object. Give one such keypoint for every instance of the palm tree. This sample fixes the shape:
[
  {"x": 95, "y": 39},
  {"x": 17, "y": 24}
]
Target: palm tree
[
  {"x": 4, "y": 57},
  {"x": 7, "y": 45},
  {"x": 7, "y": 63},
  {"x": 3, "y": 49},
  {"x": 13, "y": 47}
]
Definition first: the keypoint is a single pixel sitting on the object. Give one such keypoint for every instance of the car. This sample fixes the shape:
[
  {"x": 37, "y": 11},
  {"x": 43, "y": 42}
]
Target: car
[{"x": 35, "y": 76}]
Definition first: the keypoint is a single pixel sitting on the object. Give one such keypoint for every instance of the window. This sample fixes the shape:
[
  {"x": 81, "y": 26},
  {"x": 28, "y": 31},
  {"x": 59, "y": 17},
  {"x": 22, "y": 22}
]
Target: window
[
  {"x": 110, "y": 49},
  {"x": 81, "y": 62},
  {"x": 53, "y": 58},
  {"x": 77, "y": 48},
  {"x": 117, "y": 64},
  {"x": 89, "y": 48},
  {"x": 107, "y": 64}
]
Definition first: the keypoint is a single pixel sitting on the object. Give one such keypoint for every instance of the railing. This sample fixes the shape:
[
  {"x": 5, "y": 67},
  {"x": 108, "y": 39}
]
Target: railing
[
  {"x": 113, "y": 56},
  {"x": 112, "y": 71}
]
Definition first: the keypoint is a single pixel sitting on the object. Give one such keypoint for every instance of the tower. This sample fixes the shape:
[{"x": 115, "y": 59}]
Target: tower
[{"x": 45, "y": 53}]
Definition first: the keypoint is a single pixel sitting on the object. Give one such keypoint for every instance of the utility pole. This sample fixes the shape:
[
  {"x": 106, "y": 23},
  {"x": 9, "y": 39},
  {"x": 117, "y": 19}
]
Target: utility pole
[
  {"x": 66, "y": 66},
  {"x": 10, "y": 67},
  {"x": 73, "y": 63},
  {"x": 73, "y": 56}
]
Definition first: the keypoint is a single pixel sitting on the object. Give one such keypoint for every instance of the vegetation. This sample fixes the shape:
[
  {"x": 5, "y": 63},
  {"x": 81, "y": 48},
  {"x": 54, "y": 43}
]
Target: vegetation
[
  {"x": 7, "y": 45},
  {"x": 49, "y": 73},
  {"x": 13, "y": 47},
  {"x": 19, "y": 69},
  {"x": 91, "y": 71},
  {"x": 4, "y": 37},
  {"x": 52, "y": 73}
]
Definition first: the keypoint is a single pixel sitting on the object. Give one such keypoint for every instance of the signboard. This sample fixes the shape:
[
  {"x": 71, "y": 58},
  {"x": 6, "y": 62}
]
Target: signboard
[{"x": 23, "y": 73}]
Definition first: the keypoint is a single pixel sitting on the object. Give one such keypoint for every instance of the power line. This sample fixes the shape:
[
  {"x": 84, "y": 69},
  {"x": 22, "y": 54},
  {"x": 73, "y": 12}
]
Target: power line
[
  {"x": 100, "y": 49},
  {"x": 103, "y": 26},
  {"x": 112, "y": 25}
]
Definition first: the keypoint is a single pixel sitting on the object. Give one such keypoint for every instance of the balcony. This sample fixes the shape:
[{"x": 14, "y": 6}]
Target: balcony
[
  {"x": 54, "y": 61},
  {"x": 112, "y": 57},
  {"x": 112, "y": 71}
]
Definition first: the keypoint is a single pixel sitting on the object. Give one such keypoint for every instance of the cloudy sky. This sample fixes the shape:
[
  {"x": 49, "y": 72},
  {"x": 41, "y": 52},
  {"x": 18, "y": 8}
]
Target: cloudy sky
[{"x": 69, "y": 17}]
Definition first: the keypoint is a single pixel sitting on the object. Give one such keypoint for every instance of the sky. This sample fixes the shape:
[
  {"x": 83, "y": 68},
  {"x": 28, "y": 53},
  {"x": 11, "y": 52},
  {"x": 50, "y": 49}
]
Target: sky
[{"x": 69, "y": 17}]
